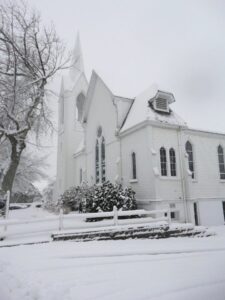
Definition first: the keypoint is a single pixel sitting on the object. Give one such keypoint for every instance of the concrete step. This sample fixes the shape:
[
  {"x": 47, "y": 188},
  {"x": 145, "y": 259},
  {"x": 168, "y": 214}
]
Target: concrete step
[{"x": 151, "y": 231}]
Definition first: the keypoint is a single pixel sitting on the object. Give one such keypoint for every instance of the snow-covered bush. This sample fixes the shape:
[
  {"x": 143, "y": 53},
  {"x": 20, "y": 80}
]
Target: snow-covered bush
[
  {"x": 107, "y": 195},
  {"x": 98, "y": 198},
  {"x": 73, "y": 197},
  {"x": 68, "y": 200}
]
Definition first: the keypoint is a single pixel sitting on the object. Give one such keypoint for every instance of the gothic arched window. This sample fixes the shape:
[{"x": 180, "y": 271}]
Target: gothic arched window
[
  {"x": 163, "y": 161},
  {"x": 173, "y": 171},
  {"x": 134, "y": 170},
  {"x": 221, "y": 161},
  {"x": 100, "y": 172},
  {"x": 189, "y": 150},
  {"x": 80, "y": 106}
]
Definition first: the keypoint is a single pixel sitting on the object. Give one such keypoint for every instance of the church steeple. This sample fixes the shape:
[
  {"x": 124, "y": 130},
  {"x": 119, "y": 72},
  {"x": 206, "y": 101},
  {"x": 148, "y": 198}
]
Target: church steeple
[
  {"x": 73, "y": 90},
  {"x": 77, "y": 66}
]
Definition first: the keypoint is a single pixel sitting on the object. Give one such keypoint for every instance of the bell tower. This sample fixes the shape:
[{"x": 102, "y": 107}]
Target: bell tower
[{"x": 70, "y": 109}]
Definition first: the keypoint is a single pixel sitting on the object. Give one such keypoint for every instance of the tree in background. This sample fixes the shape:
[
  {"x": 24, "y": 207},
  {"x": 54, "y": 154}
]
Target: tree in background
[
  {"x": 30, "y": 170},
  {"x": 30, "y": 55},
  {"x": 29, "y": 196}
]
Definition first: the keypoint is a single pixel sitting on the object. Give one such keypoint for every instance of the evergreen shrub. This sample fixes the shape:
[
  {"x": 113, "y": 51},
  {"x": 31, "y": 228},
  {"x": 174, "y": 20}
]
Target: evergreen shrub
[{"x": 98, "y": 198}]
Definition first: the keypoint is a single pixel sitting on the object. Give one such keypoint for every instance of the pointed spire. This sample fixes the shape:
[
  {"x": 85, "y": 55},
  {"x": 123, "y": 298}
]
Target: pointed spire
[{"x": 77, "y": 60}]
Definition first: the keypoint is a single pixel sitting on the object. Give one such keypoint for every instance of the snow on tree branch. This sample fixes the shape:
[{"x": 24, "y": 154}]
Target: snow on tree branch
[{"x": 30, "y": 55}]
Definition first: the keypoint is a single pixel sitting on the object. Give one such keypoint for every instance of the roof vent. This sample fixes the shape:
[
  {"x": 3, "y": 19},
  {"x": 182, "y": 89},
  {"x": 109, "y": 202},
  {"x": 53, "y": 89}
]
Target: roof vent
[{"x": 161, "y": 104}]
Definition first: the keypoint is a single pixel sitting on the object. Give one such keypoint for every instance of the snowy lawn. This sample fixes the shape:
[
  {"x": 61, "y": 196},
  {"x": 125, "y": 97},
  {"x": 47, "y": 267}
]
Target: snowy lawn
[
  {"x": 170, "y": 269},
  {"x": 41, "y": 231}
]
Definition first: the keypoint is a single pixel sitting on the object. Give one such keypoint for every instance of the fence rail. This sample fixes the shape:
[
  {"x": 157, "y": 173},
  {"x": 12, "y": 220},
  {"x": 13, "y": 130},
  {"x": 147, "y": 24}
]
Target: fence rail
[{"x": 143, "y": 216}]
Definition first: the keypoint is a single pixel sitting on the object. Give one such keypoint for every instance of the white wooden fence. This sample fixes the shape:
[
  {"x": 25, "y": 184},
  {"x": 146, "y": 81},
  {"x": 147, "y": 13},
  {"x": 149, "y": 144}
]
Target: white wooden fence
[{"x": 59, "y": 221}]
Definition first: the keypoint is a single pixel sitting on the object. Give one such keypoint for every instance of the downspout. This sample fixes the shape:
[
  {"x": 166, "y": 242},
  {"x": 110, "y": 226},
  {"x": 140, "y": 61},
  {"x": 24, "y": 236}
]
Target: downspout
[
  {"x": 84, "y": 125},
  {"x": 117, "y": 134},
  {"x": 121, "y": 167},
  {"x": 182, "y": 175}
]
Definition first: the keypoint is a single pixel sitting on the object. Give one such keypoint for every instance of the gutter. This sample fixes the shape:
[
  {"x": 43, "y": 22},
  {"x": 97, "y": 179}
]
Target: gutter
[{"x": 153, "y": 123}]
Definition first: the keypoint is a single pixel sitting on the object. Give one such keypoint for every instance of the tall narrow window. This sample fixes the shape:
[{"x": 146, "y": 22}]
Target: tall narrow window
[
  {"x": 196, "y": 214},
  {"x": 134, "y": 170},
  {"x": 163, "y": 161},
  {"x": 79, "y": 106},
  {"x": 100, "y": 163},
  {"x": 189, "y": 150},
  {"x": 103, "y": 159},
  {"x": 97, "y": 177},
  {"x": 173, "y": 171},
  {"x": 221, "y": 162},
  {"x": 81, "y": 176}
]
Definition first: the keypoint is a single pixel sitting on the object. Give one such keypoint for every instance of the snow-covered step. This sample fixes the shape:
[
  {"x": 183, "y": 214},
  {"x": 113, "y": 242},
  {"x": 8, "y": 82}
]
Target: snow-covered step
[{"x": 152, "y": 231}]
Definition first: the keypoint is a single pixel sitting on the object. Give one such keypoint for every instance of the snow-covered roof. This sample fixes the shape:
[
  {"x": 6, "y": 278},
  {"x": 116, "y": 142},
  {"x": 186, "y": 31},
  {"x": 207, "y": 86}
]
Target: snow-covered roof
[
  {"x": 141, "y": 111},
  {"x": 203, "y": 131},
  {"x": 123, "y": 107}
]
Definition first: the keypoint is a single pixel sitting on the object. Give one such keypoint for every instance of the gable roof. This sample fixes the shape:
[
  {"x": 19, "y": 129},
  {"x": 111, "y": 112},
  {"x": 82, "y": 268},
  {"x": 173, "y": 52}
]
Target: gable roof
[
  {"x": 123, "y": 106},
  {"x": 90, "y": 92}
]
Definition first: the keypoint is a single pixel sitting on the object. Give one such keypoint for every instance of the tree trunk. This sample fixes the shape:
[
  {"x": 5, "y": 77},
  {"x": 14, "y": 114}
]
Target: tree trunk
[{"x": 17, "y": 148}]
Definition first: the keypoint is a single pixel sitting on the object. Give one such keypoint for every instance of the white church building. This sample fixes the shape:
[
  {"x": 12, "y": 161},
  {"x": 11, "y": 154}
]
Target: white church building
[{"x": 139, "y": 142}]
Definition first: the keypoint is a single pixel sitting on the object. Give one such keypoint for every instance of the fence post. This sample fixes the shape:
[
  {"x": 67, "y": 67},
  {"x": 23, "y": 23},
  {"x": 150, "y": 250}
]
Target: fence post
[
  {"x": 115, "y": 215},
  {"x": 7, "y": 208},
  {"x": 60, "y": 219}
]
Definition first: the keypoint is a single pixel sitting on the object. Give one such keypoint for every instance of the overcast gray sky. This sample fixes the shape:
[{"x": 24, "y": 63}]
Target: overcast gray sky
[{"x": 180, "y": 45}]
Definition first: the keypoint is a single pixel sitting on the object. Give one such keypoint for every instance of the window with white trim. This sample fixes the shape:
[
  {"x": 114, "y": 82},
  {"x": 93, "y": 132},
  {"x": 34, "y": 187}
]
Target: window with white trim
[
  {"x": 221, "y": 162},
  {"x": 80, "y": 106},
  {"x": 163, "y": 161},
  {"x": 134, "y": 170},
  {"x": 189, "y": 150},
  {"x": 100, "y": 171},
  {"x": 173, "y": 171}
]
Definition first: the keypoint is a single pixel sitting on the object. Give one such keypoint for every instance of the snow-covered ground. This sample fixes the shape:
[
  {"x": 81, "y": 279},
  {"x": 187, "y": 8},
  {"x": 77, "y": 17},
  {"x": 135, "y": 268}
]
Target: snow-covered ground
[
  {"x": 170, "y": 269},
  {"x": 37, "y": 225}
]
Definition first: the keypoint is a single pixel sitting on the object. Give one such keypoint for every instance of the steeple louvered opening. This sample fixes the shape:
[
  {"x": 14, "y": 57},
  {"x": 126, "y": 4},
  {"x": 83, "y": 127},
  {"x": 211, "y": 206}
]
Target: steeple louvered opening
[
  {"x": 161, "y": 104},
  {"x": 161, "y": 101}
]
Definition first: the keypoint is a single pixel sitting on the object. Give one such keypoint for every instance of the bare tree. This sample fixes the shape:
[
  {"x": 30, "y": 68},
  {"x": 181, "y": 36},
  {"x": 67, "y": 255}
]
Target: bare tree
[
  {"x": 30, "y": 55},
  {"x": 31, "y": 168}
]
